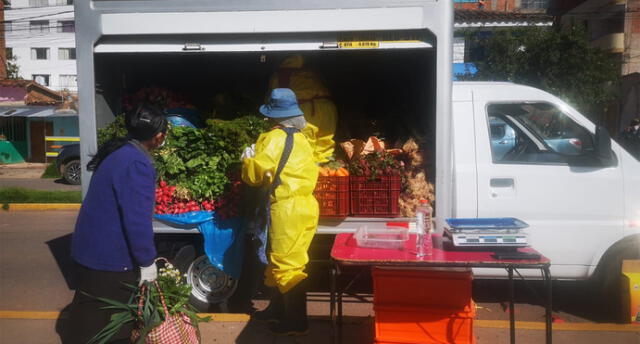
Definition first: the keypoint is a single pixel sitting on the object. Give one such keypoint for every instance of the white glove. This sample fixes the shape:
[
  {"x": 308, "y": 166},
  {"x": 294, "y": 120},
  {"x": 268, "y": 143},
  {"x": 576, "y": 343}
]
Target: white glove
[
  {"x": 249, "y": 152},
  {"x": 148, "y": 273}
]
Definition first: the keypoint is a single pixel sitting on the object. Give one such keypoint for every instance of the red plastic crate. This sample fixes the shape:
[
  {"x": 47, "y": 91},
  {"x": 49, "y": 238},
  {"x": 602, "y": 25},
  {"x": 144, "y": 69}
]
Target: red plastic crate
[
  {"x": 422, "y": 288},
  {"x": 332, "y": 194},
  {"x": 417, "y": 325},
  {"x": 375, "y": 198}
]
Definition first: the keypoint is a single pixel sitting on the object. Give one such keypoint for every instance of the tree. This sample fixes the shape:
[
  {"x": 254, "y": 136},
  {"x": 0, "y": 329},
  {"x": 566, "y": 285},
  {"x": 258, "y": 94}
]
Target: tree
[
  {"x": 560, "y": 61},
  {"x": 13, "y": 71}
]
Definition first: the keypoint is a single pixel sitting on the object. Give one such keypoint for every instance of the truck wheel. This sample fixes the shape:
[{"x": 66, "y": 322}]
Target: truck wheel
[
  {"x": 610, "y": 281},
  {"x": 72, "y": 172},
  {"x": 210, "y": 285}
]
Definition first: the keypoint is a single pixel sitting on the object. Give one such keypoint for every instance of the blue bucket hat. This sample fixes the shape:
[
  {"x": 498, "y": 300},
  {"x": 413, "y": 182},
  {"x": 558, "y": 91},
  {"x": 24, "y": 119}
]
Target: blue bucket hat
[{"x": 282, "y": 103}]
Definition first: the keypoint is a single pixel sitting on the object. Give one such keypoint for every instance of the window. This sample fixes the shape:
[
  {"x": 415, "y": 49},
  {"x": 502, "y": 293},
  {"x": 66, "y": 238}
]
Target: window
[
  {"x": 534, "y": 4},
  {"x": 13, "y": 128},
  {"x": 9, "y": 53},
  {"x": 39, "y": 53},
  {"x": 38, "y": 26},
  {"x": 66, "y": 26},
  {"x": 42, "y": 79},
  {"x": 535, "y": 133},
  {"x": 66, "y": 53},
  {"x": 8, "y": 26},
  {"x": 68, "y": 81},
  {"x": 38, "y": 3},
  {"x": 64, "y": 2}
]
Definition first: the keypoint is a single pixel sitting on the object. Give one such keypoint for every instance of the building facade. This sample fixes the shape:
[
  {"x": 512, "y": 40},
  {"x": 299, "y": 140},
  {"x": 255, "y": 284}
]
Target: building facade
[
  {"x": 40, "y": 35},
  {"x": 615, "y": 27}
]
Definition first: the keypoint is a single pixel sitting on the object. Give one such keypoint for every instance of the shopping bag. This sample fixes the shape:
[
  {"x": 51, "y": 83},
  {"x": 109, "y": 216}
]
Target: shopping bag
[{"x": 175, "y": 329}]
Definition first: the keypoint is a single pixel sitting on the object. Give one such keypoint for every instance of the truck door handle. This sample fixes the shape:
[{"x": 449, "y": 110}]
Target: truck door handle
[{"x": 501, "y": 182}]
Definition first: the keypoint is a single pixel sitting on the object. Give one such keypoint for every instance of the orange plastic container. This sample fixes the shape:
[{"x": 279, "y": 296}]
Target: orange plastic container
[
  {"x": 375, "y": 198},
  {"x": 332, "y": 193},
  {"x": 422, "y": 288},
  {"x": 415, "y": 325}
]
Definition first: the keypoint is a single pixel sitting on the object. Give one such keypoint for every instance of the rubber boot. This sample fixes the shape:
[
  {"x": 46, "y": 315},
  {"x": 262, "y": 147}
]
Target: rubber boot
[
  {"x": 294, "y": 321},
  {"x": 274, "y": 311}
]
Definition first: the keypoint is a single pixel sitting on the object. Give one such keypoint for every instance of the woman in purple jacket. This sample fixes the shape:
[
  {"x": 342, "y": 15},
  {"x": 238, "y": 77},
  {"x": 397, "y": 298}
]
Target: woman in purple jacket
[{"x": 113, "y": 239}]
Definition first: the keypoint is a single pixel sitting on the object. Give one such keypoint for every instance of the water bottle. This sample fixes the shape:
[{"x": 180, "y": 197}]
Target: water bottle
[{"x": 424, "y": 245}]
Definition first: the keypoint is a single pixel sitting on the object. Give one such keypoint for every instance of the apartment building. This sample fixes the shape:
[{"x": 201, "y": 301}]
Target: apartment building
[{"x": 40, "y": 35}]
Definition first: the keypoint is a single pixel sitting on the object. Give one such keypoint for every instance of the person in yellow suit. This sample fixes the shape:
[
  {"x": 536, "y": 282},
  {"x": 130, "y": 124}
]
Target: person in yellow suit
[
  {"x": 283, "y": 162},
  {"x": 315, "y": 102}
]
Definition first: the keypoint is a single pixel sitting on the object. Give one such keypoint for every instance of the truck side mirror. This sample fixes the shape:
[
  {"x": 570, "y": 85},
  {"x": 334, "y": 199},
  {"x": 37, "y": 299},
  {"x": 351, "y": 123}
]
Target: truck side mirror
[{"x": 602, "y": 147}]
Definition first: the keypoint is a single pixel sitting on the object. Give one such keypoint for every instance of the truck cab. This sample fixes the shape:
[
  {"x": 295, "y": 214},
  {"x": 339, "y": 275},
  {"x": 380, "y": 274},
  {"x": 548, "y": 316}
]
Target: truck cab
[{"x": 519, "y": 151}]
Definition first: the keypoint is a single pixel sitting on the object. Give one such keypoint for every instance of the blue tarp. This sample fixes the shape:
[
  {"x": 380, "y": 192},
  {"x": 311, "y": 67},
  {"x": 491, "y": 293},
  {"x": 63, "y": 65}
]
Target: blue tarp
[
  {"x": 463, "y": 68},
  {"x": 223, "y": 239}
]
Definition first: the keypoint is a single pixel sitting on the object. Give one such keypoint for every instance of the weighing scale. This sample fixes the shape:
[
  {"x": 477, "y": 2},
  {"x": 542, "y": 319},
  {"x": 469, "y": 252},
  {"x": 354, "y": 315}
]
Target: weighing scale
[{"x": 487, "y": 232}]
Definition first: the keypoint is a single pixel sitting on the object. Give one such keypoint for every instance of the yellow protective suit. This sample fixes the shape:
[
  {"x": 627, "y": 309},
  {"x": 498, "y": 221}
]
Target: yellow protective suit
[
  {"x": 315, "y": 102},
  {"x": 294, "y": 209}
]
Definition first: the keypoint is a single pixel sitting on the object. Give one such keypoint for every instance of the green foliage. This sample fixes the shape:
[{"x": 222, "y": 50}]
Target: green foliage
[
  {"x": 51, "y": 172},
  {"x": 114, "y": 129},
  {"x": 374, "y": 165},
  {"x": 21, "y": 195},
  {"x": 13, "y": 71},
  {"x": 201, "y": 160},
  {"x": 559, "y": 61},
  {"x": 176, "y": 294}
]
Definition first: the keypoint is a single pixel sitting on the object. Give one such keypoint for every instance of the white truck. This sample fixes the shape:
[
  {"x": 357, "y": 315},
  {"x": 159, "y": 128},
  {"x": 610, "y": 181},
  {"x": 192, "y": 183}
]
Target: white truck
[{"x": 496, "y": 145}]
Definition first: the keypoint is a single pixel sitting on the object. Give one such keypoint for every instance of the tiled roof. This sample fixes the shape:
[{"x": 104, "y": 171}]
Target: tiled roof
[
  {"x": 487, "y": 17},
  {"x": 14, "y": 82}
]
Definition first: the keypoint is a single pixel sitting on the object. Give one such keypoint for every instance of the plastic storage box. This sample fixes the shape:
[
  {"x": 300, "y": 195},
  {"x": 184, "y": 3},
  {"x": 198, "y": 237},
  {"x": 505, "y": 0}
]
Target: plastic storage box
[
  {"x": 332, "y": 193},
  {"x": 375, "y": 198},
  {"x": 415, "y": 325},
  {"x": 427, "y": 288},
  {"x": 390, "y": 237}
]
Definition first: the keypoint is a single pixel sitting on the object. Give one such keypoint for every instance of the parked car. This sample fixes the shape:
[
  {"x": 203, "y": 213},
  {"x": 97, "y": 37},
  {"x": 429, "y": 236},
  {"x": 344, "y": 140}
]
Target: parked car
[{"x": 68, "y": 163}]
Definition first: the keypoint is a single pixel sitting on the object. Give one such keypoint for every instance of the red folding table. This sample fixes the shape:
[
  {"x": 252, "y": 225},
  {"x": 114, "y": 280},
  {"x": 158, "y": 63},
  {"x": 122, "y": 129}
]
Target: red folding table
[{"x": 345, "y": 252}]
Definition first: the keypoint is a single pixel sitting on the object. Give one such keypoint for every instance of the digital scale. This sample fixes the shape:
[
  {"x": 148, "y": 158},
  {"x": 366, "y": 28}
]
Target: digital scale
[{"x": 487, "y": 232}]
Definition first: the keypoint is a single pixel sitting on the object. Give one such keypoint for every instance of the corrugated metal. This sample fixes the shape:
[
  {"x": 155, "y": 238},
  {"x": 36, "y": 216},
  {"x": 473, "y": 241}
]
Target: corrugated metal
[{"x": 33, "y": 112}]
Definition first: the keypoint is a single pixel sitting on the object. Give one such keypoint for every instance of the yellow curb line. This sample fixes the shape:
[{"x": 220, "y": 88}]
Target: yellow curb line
[
  {"x": 538, "y": 325},
  {"x": 35, "y": 315},
  {"x": 43, "y": 206},
  {"x": 502, "y": 324}
]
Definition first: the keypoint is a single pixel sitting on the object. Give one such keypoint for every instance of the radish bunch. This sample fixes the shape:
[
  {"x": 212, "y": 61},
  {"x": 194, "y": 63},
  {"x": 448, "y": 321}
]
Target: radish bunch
[{"x": 168, "y": 203}]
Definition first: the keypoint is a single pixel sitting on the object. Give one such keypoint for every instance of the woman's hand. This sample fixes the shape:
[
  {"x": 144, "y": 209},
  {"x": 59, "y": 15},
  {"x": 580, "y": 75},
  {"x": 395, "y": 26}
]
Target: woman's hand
[
  {"x": 148, "y": 273},
  {"x": 249, "y": 152}
]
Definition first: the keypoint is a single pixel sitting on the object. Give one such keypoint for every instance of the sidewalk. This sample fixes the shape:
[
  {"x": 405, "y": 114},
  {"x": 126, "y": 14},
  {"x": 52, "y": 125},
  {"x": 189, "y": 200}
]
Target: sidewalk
[
  {"x": 24, "y": 170},
  {"x": 27, "y": 175}
]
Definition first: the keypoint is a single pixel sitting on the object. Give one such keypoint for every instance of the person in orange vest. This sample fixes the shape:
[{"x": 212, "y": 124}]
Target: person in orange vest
[{"x": 315, "y": 101}]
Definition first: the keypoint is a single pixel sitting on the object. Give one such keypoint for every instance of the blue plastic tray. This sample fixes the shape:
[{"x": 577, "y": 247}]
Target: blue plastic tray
[{"x": 486, "y": 223}]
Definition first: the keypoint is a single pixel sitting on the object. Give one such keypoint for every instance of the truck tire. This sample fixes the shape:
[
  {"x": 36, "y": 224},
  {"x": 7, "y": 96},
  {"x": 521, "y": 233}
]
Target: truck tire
[
  {"x": 609, "y": 277},
  {"x": 211, "y": 287},
  {"x": 72, "y": 171}
]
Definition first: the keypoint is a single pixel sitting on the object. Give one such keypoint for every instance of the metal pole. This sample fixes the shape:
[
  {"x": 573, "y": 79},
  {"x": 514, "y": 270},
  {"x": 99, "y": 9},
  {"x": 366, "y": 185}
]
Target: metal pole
[
  {"x": 332, "y": 303},
  {"x": 512, "y": 318},
  {"x": 549, "y": 305}
]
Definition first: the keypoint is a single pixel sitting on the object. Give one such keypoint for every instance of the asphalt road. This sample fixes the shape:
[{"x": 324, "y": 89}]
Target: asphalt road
[{"x": 36, "y": 285}]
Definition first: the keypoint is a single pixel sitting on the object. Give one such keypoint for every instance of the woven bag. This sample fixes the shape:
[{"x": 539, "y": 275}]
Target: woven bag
[{"x": 175, "y": 329}]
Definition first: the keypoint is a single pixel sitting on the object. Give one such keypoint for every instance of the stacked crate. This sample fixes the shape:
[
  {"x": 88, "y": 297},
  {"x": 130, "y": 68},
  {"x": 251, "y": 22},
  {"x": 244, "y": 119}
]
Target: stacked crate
[{"x": 423, "y": 306}]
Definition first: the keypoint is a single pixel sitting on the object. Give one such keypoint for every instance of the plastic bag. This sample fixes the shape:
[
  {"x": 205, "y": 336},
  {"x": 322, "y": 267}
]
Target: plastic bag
[{"x": 223, "y": 239}]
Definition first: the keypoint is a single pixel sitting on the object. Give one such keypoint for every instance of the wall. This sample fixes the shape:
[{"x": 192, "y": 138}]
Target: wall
[
  {"x": 632, "y": 39},
  {"x": 21, "y": 40},
  {"x": 66, "y": 126}
]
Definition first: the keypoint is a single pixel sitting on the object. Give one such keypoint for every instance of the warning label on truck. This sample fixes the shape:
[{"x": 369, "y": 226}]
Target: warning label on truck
[{"x": 359, "y": 45}]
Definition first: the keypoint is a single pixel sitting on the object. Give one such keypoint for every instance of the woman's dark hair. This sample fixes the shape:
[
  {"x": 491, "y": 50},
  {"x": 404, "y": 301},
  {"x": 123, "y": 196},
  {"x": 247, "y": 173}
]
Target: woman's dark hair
[{"x": 142, "y": 125}]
